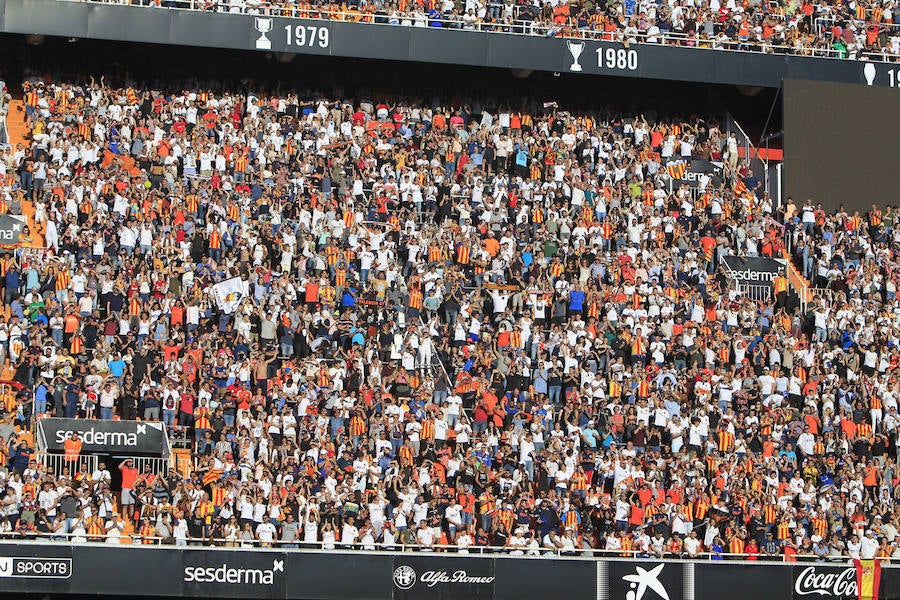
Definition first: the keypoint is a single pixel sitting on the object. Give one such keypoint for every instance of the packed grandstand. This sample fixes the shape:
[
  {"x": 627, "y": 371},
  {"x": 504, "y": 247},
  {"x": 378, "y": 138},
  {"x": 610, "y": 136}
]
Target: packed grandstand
[
  {"x": 386, "y": 324},
  {"x": 854, "y": 30}
]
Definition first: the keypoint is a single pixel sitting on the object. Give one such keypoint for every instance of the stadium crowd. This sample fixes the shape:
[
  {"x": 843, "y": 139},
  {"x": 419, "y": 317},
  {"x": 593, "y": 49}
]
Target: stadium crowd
[
  {"x": 455, "y": 327},
  {"x": 855, "y": 30}
]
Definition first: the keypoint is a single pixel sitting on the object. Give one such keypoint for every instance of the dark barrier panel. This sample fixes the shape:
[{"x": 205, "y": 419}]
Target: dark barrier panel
[
  {"x": 545, "y": 578},
  {"x": 127, "y": 571},
  {"x": 339, "y": 576},
  {"x": 743, "y": 581},
  {"x": 282, "y": 34},
  {"x": 813, "y": 129},
  {"x": 890, "y": 583},
  {"x": 644, "y": 580},
  {"x": 42, "y": 568},
  {"x": 425, "y": 576},
  {"x": 110, "y": 437}
]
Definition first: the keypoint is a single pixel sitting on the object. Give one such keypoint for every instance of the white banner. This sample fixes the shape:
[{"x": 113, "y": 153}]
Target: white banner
[{"x": 229, "y": 294}]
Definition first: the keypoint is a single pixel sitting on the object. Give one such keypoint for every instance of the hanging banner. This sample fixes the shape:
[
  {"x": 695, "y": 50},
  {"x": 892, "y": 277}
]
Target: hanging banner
[
  {"x": 758, "y": 270},
  {"x": 10, "y": 230},
  {"x": 128, "y": 438},
  {"x": 699, "y": 173}
]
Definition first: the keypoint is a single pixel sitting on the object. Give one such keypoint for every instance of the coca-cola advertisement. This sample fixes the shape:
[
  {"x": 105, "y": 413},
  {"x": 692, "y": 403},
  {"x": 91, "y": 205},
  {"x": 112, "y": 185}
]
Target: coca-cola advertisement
[
  {"x": 825, "y": 581},
  {"x": 441, "y": 576}
]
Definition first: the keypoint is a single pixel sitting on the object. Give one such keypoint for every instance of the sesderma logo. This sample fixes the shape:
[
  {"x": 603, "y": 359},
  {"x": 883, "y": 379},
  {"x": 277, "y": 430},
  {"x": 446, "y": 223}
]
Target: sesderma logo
[
  {"x": 53, "y": 568},
  {"x": 749, "y": 275},
  {"x": 92, "y": 437},
  {"x": 232, "y": 575}
]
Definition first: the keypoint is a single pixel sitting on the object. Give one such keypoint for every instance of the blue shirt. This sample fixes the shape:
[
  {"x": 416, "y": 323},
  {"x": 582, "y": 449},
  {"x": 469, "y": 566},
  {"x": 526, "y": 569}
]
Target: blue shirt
[
  {"x": 117, "y": 368},
  {"x": 576, "y": 300},
  {"x": 12, "y": 280}
]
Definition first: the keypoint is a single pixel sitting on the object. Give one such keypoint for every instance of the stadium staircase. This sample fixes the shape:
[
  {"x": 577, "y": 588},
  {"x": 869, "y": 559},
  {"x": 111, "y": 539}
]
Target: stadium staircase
[
  {"x": 797, "y": 281},
  {"x": 19, "y": 132},
  {"x": 16, "y": 128}
]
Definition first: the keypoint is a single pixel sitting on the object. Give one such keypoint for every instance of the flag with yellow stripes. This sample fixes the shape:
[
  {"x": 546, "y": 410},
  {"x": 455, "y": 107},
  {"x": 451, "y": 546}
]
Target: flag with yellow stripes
[
  {"x": 868, "y": 578},
  {"x": 676, "y": 170}
]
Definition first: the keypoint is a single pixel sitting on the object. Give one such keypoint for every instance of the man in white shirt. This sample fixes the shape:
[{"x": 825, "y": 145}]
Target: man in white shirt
[
  {"x": 425, "y": 537},
  {"x": 868, "y": 546},
  {"x": 114, "y": 528},
  {"x": 101, "y": 474},
  {"x": 692, "y": 545},
  {"x": 453, "y": 514},
  {"x": 349, "y": 533},
  {"x": 265, "y": 533}
]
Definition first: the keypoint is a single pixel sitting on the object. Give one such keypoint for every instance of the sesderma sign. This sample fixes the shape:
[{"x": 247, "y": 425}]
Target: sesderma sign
[
  {"x": 753, "y": 269},
  {"x": 123, "y": 437},
  {"x": 228, "y": 574}
]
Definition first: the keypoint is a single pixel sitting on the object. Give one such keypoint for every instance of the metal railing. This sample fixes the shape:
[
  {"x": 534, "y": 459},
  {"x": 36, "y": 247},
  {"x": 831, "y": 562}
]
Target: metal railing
[
  {"x": 754, "y": 291},
  {"x": 89, "y": 463},
  {"x": 809, "y": 294},
  {"x": 519, "y": 26},
  {"x": 157, "y": 465},
  {"x": 57, "y": 463},
  {"x": 136, "y": 539}
]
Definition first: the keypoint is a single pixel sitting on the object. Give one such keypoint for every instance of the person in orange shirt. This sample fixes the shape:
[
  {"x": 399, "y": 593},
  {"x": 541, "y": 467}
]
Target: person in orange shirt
[{"x": 129, "y": 477}]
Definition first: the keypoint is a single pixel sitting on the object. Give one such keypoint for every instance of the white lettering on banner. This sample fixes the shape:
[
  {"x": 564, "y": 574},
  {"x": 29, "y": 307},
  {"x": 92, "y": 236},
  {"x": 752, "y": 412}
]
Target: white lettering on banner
[
  {"x": 692, "y": 176},
  {"x": 619, "y": 59},
  {"x": 231, "y": 575},
  {"x": 837, "y": 585},
  {"x": 405, "y": 577},
  {"x": 55, "y": 568},
  {"x": 92, "y": 437},
  {"x": 300, "y": 35},
  {"x": 432, "y": 578},
  {"x": 750, "y": 275}
]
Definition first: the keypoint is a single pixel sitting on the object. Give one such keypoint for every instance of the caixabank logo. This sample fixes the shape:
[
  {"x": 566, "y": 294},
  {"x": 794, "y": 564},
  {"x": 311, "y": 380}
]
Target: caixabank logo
[
  {"x": 628, "y": 580},
  {"x": 47, "y": 568}
]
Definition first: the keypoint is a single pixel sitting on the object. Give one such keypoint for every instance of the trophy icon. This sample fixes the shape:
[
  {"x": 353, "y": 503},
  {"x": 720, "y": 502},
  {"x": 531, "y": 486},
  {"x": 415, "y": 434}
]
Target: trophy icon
[
  {"x": 575, "y": 49},
  {"x": 263, "y": 26},
  {"x": 869, "y": 73}
]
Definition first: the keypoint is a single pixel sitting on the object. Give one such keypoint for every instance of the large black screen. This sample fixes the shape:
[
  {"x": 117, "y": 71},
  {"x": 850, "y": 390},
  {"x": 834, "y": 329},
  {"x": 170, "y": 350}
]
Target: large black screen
[{"x": 841, "y": 144}]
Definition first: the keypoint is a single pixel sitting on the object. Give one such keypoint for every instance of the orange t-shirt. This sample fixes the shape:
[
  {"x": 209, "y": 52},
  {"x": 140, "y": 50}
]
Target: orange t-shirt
[{"x": 129, "y": 476}]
